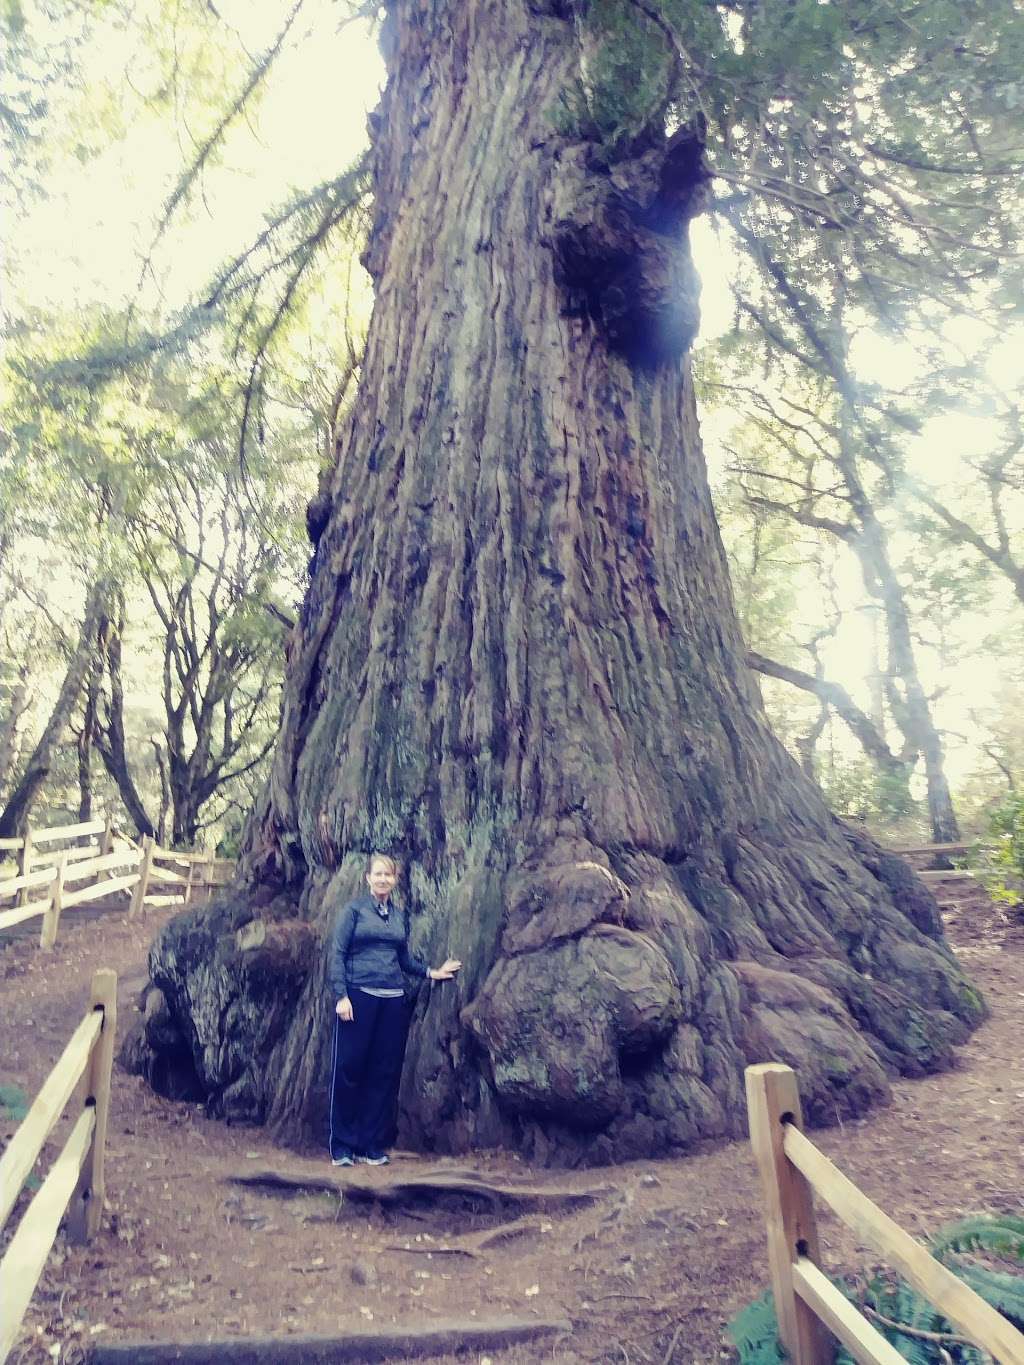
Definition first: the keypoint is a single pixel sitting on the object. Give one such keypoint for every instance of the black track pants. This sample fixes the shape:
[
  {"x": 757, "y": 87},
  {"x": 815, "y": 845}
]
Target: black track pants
[{"x": 365, "y": 1072}]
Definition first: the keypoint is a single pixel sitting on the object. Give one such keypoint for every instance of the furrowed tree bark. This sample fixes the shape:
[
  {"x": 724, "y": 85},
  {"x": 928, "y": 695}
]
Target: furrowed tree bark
[
  {"x": 14, "y": 818},
  {"x": 518, "y": 666}
]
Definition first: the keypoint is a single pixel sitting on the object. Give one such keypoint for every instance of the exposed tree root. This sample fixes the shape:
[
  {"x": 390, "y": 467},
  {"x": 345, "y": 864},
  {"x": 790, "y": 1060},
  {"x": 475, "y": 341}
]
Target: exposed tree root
[
  {"x": 398, "y": 1343},
  {"x": 493, "y": 1237},
  {"x": 396, "y": 1191},
  {"x": 474, "y": 1244}
]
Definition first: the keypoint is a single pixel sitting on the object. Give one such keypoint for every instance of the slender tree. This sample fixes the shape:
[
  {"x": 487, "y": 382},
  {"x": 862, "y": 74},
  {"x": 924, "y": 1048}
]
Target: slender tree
[
  {"x": 996, "y": 481},
  {"x": 109, "y": 733},
  {"x": 15, "y": 814},
  {"x": 15, "y": 703},
  {"x": 825, "y": 484},
  {"x": 518, "y": 661}
]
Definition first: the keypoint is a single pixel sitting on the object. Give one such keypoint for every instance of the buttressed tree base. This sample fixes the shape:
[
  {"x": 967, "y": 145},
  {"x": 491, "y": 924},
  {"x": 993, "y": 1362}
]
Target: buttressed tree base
[{"x": 518, "y": 667}]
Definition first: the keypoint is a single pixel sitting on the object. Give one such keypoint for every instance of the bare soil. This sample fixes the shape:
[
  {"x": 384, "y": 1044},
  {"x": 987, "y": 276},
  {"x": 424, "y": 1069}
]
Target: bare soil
[{"x": 651, "y": 1270}]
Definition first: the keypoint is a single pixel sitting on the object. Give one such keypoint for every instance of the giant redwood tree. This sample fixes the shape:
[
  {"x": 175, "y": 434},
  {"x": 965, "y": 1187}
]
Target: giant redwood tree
[{"x": 518, "y": 664}]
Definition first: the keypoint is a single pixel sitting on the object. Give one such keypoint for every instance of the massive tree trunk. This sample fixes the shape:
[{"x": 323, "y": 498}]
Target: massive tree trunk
[{"x": 518, "y": 666}]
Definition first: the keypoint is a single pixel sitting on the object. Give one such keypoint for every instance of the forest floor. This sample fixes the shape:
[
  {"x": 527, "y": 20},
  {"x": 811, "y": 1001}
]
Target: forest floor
[{"x": 650, "y": 1270}]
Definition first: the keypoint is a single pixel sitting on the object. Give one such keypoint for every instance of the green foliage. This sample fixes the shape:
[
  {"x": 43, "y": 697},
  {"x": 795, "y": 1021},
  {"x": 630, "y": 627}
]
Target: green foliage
[
  {"x": 625, "y": 83},
  {"x": 894, "y": 1306},
  {"x": 764, "y": 565},
  {"x": 1003, "y": 865},
  {"x": 754, "y": 1331},
  {"x": 137, "y": 477},
  {"x": 13, "y": 1103},
  {"x": 14, "y": 1106},
  {"x": 1004, "y": 1291},
  {"x": 1002, "y": 1236},
  {"x": 898, "y": 1303},
  {"x": 857, "y": 789}
]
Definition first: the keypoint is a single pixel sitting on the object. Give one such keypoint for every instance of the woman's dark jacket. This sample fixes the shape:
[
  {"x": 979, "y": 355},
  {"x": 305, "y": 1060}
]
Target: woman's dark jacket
[{"x": 369, "y": 951}]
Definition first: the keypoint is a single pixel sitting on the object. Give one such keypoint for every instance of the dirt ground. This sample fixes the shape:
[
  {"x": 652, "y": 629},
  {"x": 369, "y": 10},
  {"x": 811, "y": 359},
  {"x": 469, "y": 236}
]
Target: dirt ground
[{"x": 649, "y": 1271}]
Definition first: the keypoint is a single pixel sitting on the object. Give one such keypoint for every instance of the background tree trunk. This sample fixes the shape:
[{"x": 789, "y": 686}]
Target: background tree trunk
[
  {"x": 518, "y": 666},
  {"x": 17, "y": 705},
  {"x": 907, "y": 698},
  {"x": 15, "y": 815},
  {"x": 831, "y": 694},
  {"x": 109, "y": 735},
  {"x": 87, "y": 735}
]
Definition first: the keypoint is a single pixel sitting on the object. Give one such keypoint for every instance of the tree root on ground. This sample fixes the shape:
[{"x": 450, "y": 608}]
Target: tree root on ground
[
  {"x": 474, "y": 1244},
  {"x": 396, "y": 1343},
  {"x": 415, "y": 1189}
]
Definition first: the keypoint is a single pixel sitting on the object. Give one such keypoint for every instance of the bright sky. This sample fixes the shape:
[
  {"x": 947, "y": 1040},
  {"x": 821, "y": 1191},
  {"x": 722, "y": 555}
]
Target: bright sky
[{"x": 309, "y": 127}]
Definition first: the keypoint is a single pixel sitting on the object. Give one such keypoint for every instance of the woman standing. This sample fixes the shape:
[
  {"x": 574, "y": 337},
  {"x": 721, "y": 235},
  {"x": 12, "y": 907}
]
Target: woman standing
[{"x": 369, "y": 952}]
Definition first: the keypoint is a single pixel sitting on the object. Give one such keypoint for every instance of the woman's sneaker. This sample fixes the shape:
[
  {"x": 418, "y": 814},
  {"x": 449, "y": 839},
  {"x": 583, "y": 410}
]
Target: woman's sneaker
[
  {"x": 374, "y": 1158},
  {"x": 345, "y": 1159}
]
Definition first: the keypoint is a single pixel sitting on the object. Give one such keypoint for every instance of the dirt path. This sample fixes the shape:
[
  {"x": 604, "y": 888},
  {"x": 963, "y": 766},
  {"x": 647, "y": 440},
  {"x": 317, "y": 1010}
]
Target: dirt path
[{"x": 666, "y": 1255}]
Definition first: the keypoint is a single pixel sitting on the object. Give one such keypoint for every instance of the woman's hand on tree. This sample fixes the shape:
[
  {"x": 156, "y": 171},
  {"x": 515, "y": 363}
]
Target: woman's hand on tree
[
  {"x": 446, "y": 970},
  {"x": 343, "y": 1009}
]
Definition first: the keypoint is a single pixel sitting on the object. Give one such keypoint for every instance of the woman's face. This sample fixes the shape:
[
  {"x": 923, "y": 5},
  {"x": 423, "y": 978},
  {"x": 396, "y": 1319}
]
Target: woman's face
[{"x": 381, "y": 879}]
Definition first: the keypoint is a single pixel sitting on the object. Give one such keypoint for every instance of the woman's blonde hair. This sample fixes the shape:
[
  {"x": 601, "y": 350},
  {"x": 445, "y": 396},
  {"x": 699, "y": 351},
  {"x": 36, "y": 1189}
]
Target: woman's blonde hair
[{"x": 386, "y": 859}]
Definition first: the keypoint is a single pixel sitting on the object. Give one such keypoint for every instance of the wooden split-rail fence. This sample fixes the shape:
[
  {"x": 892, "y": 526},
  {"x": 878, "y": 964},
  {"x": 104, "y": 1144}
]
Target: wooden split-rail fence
[
  {"x": 811, "y": 1311},
  {"x": 951, "y": 885},
  {"x": 75, "y": 1182},
  {"x": 51, "y": 879}
]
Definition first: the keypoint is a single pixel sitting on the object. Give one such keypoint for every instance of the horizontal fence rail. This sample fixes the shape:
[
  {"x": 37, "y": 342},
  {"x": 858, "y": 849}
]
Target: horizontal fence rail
[
  {"x": 792, "y": 1170},
  {"x": 54, "y": 832},
  {"x": 75, "y": 1183},
  {"x": 25, "y": 880},
  {"x": 942, "y": 850},
  {"x": 20, "y": 1154},
  {"x": 48, "y": 891}
]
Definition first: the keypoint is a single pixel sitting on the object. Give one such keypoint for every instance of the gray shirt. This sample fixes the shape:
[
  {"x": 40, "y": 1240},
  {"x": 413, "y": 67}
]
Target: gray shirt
[{"x": 369, "y": 950}]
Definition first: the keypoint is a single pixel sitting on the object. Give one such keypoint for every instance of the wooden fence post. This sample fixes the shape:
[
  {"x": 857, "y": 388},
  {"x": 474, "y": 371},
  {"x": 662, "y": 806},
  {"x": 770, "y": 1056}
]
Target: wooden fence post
[
  {"x": 85, "y": 1210},
  {"x": 25, "y": 865},
  {"x": 107, "y": 838},
  {"x": 772, "y": 1101},
  {"x": 188, "y": 882},
  {"x": 107, "y": 841},
  {"x": 51, "y": 918},
  {"x": 142, "y": 885}
]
